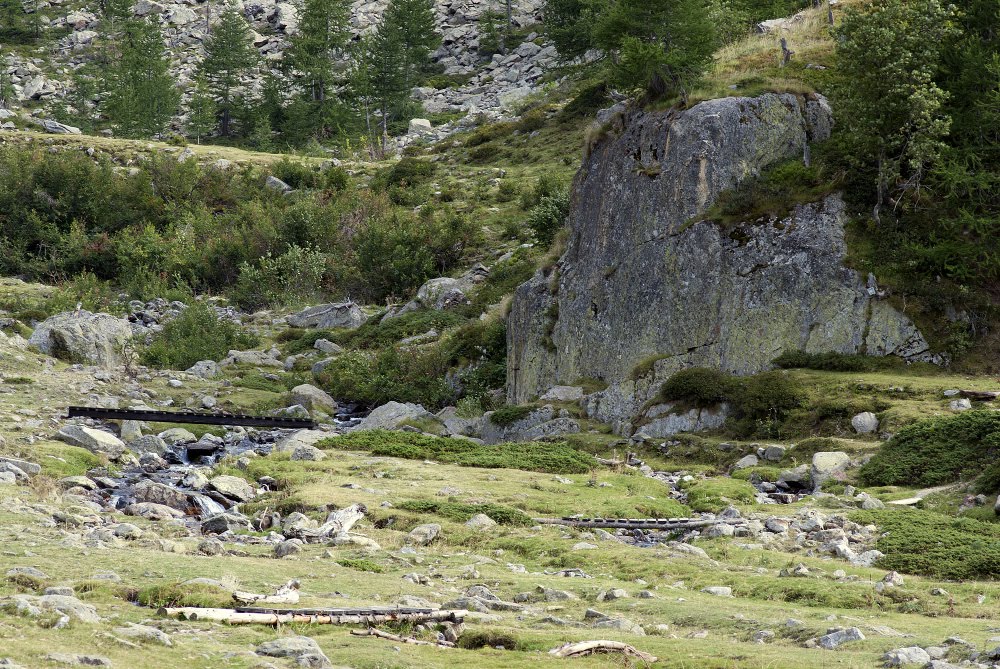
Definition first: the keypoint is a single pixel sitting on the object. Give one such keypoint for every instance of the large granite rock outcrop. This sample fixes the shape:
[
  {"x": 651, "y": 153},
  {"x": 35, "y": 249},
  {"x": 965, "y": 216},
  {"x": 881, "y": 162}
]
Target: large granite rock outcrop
[
  {"x": 84, "y": 337},
  {"x": 642, "y": 278}
]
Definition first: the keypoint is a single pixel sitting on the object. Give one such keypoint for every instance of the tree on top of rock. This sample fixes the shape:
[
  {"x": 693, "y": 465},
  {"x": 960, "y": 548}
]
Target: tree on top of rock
[
  {"x": 229, "y": 57},
  {"x": 663, "y": 46}
]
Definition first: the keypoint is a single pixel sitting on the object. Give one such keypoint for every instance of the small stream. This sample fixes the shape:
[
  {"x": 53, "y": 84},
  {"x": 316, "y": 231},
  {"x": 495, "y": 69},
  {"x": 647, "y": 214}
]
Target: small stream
[{"x": 184, "y": 467}]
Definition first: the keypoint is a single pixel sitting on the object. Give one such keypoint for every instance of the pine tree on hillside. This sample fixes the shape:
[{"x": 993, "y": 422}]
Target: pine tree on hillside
[
  {"x": 142, "y": 96},
  {"x": 201, "y": 112},
  {"x": 322, "y": 34},
  {"x": 229, "y": 57},
  {"x": 13, "y": 21},
  {"x": 414, "y": 29},
  {"x": 378, "y": 79}
]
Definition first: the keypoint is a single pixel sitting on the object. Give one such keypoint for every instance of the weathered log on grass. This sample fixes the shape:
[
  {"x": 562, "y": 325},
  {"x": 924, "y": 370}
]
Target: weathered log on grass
[
  {"x": 371, "y": 631},
  {"x": 584, "y": 648},
  {"x": 345, "y": 617}
]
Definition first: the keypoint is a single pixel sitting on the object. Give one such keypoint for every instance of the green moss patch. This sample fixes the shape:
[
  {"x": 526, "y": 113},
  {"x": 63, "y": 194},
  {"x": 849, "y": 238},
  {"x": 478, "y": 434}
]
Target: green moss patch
[{"x": 502, "y": 515}]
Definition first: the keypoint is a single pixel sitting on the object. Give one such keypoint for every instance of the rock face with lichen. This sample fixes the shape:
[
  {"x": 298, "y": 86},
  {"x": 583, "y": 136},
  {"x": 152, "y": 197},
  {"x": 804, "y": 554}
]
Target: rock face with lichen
[{"x": 645, "y": 287}]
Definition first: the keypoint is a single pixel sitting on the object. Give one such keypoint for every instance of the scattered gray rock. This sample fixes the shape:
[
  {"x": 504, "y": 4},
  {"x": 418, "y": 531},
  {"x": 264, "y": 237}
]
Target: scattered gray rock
[
  {"x": 865, "y": 423},
  {"x": 305, "y": 651},
  {"x": 422, "y": 535}
]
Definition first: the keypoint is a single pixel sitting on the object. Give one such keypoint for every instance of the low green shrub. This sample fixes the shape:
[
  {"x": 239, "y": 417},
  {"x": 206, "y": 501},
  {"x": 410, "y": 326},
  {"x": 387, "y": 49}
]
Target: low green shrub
[
  {"x": 473, "y": 640},
  {"x": 775, "y": 192},
  {"x": 835, "y": 362},
  {"x": 936, "y": 451},
  {"x": 407, "y": 172},
  {"x": 554, "y": 458},
  {"x": 509, "y": 415},
  {"x": 715, "y": 494},
  {"x": 699, "y": 386},
  {"x": 196, "y": 334},
  {"x": 931, "y": 544},
  {"x": 361, "y": 564},
  {"x": 502, "y": 515}
]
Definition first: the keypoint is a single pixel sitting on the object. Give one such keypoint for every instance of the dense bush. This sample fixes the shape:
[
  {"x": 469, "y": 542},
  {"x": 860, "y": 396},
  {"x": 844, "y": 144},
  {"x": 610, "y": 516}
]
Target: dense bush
[
  {"x": 196, "y": 334},
  {"x": 931, "y": 544},
  {"x": 503, "y": 515},
  {"x": 558, "y": 458},
  {"x": 407, "y": 172},
  {"x": 510, "y": 415},
  {"x": 378, "y": 333},
  {"x": 548, "y": 216},
  {"x": 755, "y": 401},
  {"x": 937, "y": 451},
  {"x": 397, "y": 253},
  {"x": 835, "y": 362},
  {"x": 699, "y": 386},
  {"x": 389, "y": 375}
]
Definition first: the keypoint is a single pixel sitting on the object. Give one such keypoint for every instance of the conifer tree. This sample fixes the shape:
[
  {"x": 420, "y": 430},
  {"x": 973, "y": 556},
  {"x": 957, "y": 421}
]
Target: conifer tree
[
  {"x": 379, "y": 78},
  {"x": 414, "y": 33},
  {"x": 142, "y": 96},
  {"x": 201, "y": 111},
  {"x": 322, "y": 33},
  {"x": 229, "y": 57}
]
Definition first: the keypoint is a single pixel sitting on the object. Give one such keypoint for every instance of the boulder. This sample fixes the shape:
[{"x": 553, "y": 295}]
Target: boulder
[
  {"x": 834, "y": 639},
  {"x": 746, "y": 462},
  {"x": 421, "y": 535},
  {"x": 391, "y": 415},
  {"x": 177, "y": 435},
  {"x": 152, "y": 511},
  {"x": 480, "y": 521},
  {"x": 441, "y": 294},
  {"x": 865, "y": 423},
  {"x": 274, "y": 183},
  {"x": 340, "y": 315},
  {"x": 828, "y": 465},
  {"x": 29, "y": 468},
  {"x": 95, "y": 441},
  {"x": 616, "y": 302},
  {"x": 233, "y": 487},
  {"x": 313, "y": 398},
  {"x": 224, "y": 522},
  {"x": 539, "y": 423},
  {"x": 204, "y": 369},
  {"x": 61, "y": 604},
  {"x": 299, "y": 438},
  {"x": 158, "y": 493},
  {"x": 83, "y": 337},
  {"x": 303, "y": 650},
  {"x": 149, "y": 443},
  {"x": 57, "y": 128},
  {"x": 420, "y": 126}
]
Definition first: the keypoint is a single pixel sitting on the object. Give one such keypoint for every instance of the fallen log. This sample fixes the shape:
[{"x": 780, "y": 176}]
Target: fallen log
[
  {"x": 371, "y": 631},
  {"x": 980, "y": 395},
  {"x": 584, "y": 648},
  {"x": 286, "y": 594},
  {"x": 313, "y": 617},
  {"x": 663, "y": 524}
]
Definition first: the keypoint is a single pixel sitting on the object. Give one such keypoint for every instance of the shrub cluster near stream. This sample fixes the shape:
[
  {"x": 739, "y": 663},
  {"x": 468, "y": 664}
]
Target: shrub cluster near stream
[{"x": 551, "y": 458}]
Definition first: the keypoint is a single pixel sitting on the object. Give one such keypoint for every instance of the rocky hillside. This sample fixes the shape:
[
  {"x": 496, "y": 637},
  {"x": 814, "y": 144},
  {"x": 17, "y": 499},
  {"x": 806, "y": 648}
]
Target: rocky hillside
[{"x": 488, "y": 84}]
